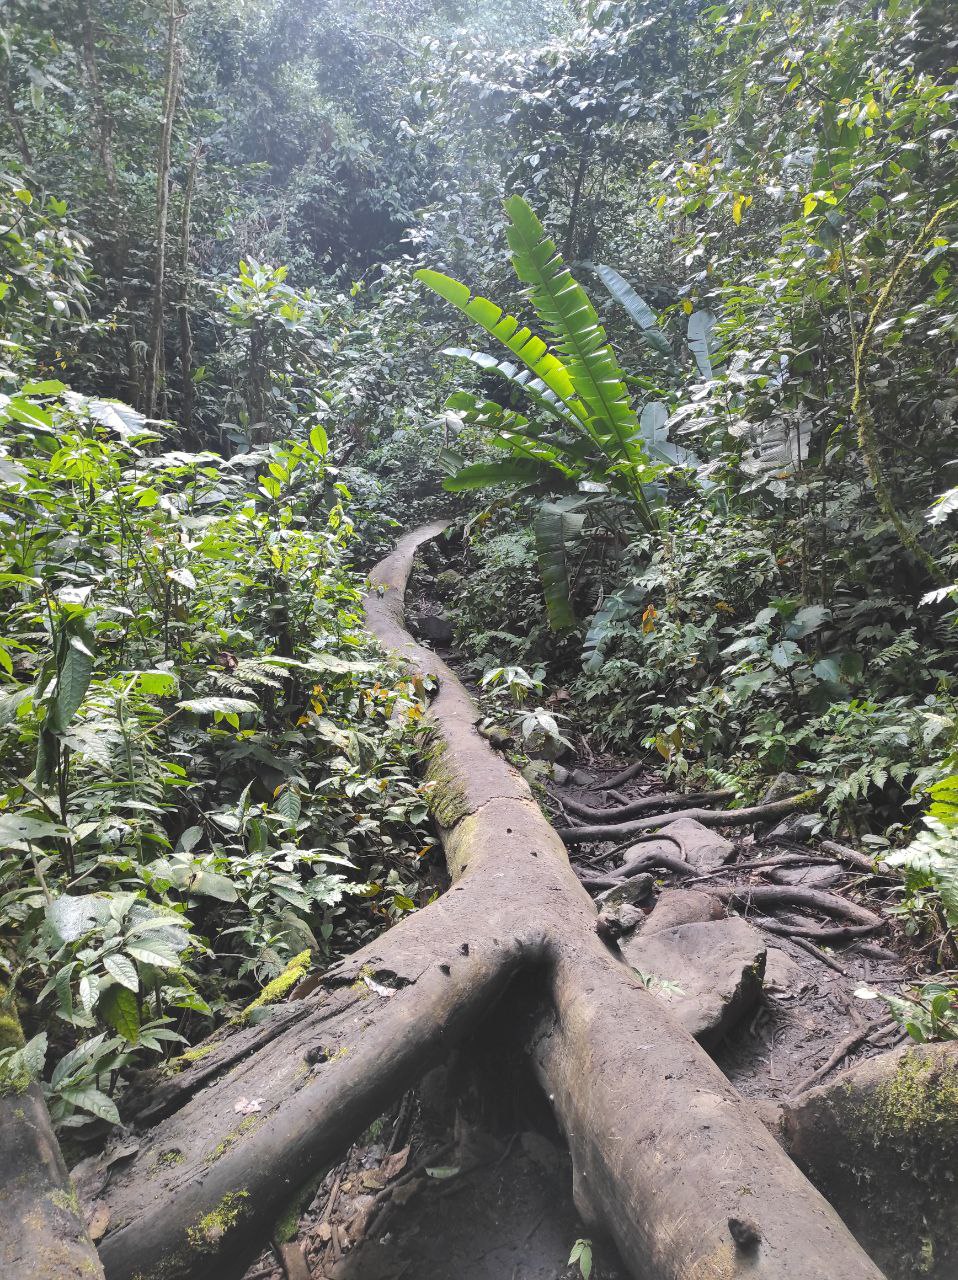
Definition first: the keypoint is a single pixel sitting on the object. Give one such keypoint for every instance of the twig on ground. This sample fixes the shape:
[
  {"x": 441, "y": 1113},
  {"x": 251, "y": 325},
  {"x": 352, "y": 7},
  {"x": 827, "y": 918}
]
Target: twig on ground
[
  {"x": 852, "y": 856},
  {"x": 819, "y": 955},
  {"x": 762, "y": 864},
  {"x": 861, "y": 1034}
]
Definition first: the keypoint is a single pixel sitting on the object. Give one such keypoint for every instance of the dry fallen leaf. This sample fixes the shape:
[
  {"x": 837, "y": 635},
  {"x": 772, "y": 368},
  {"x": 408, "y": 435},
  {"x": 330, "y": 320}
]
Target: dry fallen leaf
[
  {"x": 394, "y": 1164},
  {"x": 378, "y": 987},
  {"x": 246, "y": 1106}
]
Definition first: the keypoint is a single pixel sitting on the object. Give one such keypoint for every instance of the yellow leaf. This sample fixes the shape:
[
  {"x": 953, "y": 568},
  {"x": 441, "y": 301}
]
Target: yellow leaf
[
  {"x": 687, "y": 307},
  {"x": 648, "y": 619},
  {"x": 737, "y": 210}
]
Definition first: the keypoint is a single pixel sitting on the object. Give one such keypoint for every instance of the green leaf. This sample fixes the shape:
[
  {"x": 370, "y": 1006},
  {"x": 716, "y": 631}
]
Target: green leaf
[
  {"x": 554, "y": 528},
  {"x": 944, "y": 801},
  {"x": 123, "y": 970},
  {"x": 212, "y": 885},
  {"x": 480, "y": 475},
  {"x": 223, "y": 706},
  {"x": 699, "y": 337},
  {"x": 638, "y": 310},
  {"x": 571, "y": 320},
  {"x": 806, "y": 620},
  {"x": 319, "y": 440},
  {"x": 533, "y": 387},
  {"x": 18, "y": 827},
  {"x": 529, "y": 348},
  {"x": 156, "y": 684},
  {"x": 120, "y": 1008},
  {"x": 151, "y": 953},
  {"x": 86, "y": 1098},
  {"x": 289, "y": 805},
  {"x": 75, "y": 676}
]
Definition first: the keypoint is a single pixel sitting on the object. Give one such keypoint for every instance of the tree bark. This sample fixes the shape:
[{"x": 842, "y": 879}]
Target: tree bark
[
  {"x": 667, "y": 1157},
  {"x": 155, "y": 354},
  {"x": 42, "y": 1233},
  {"x": 183, "y": 309}
]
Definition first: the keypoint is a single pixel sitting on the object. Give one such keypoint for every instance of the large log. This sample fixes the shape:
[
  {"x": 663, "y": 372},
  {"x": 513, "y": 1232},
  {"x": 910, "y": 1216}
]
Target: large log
[
  {"x": 667, "y": 1157},
  {"x": 42, "y": 1232}
]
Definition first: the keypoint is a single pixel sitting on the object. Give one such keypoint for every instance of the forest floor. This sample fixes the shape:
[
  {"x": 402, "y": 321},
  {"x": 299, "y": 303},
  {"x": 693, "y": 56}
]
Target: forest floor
[{"x": 469, "y": 1177}]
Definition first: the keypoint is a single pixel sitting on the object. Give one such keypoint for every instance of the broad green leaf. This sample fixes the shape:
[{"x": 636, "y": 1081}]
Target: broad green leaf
[
  {"x": 86, "y": 1098},
  {"x": 224, "y": 706},
  {"x": 481, "y": 475},
  {"x": 18, "y": 827},
  {"x": 74, "y": 680},
  {"x": 123, "y": 970},
  {"x": 554, "y": 528},
  {"x": 638, "y": 310},
  {"x": 944, "y": 800},
  {"x": 531, "y": 350},
  {"x": 121, "y": 1009},
  {"x": 699, "y": 337}
]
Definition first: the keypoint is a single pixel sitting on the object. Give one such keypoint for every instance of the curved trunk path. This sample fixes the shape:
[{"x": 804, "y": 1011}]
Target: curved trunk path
[{"x": 668, "y": 1159}]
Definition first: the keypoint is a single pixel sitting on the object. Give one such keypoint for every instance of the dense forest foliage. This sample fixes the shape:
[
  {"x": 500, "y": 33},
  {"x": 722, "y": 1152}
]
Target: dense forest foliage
[{"x": 660, "y": 299}]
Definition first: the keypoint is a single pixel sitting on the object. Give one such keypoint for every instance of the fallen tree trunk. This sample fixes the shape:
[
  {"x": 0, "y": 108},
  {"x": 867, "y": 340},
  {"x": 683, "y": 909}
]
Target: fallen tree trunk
[
  {"x": 667, "y": 1157},
  {"x": 42, "y": 1233}
]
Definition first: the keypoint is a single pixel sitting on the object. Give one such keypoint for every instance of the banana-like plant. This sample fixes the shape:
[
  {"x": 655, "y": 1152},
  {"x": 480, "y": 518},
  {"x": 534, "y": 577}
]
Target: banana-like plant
[
  {"x": 594, "y": 438},
  {"x": 574, "y": 376}
]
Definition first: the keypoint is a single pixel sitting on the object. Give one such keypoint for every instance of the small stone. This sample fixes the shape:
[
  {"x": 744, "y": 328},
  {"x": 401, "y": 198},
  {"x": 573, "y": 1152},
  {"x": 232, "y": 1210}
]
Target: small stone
[
  {"x": 579, "y": 778},
  {"x": 782, "y": 786},
  {"x": 797, "y": 826},
  {"x": 560, "y": 775},
  {"x": 683, "y": 906},
  {"x": 617, "y": 920},
  {"x": 435, "y": 628},
  {"x": 447, "y": 583},
  {"x": 497, "y": 734},
  {"x": 783, "y": 976},
  {"x": 744, "y": 1232}
]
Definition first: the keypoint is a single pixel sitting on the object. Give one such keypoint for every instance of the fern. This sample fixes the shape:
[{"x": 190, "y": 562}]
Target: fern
[{"x": 931, "y": 861}]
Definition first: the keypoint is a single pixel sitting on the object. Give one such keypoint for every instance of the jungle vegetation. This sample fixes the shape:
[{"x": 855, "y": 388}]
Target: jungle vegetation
[{"x": 658, "y": 298}]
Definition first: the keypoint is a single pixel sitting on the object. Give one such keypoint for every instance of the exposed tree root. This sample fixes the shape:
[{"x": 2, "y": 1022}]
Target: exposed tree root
[
  {"x": 656, "y": 854},
  {"x": 668, "y": 1159},
  {"x": 707, "y": 817},
  {"x": 627, "y": 774},
  {"x": 647, "y": 804}
]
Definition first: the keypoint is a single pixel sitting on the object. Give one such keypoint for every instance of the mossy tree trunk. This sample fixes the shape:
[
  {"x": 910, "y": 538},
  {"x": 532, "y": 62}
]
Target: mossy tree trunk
[{"x": 42, "y": 1232}]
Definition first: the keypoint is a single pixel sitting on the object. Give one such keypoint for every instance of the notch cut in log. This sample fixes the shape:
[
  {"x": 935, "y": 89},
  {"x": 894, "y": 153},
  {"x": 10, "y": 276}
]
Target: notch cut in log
[{"x": 666, "y": 1155}]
